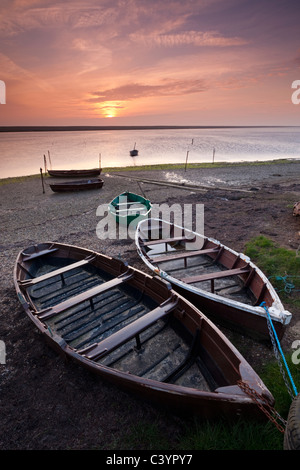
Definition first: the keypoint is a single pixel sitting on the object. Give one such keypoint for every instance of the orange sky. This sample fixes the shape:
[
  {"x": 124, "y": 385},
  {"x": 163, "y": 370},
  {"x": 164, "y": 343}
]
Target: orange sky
[{"x": 149, "y": 62}]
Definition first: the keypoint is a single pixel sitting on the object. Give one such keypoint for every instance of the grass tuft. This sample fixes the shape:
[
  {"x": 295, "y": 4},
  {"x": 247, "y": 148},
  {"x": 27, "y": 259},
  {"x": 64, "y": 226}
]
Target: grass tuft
[{"x": 280, "y": 265}]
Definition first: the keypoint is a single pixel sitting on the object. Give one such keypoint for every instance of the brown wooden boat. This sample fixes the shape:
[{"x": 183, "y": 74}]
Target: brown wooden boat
[
  {"x": 75, "y": 173},
  {"x": 134, "y": 330},
  {"x": 78, "y": 185},
  {"x": 224, "y": 284}
]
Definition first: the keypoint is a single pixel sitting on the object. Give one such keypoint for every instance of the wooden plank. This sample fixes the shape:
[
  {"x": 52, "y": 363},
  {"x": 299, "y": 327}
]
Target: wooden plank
[
  {"x": 167, "y": 240},
  {"x": 87, "y": 295},
  {"x": 261, "y": 294},
  {"x": 56, "y": 272},
  {"x": 186, "y": 254},
  {"x": 216, "y": 275},
  {"x": 129, "y": 203},
  {"x": 117, "y": 339},
  {"x": 134, "y": 209}
]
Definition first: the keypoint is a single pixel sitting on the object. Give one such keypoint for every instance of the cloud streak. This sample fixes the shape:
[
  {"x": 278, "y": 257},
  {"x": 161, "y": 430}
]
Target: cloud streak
[
  {"x": 66, "y": 14},
  {"x": 135, "y": 91},
  {"x": 188, "y": 38}
]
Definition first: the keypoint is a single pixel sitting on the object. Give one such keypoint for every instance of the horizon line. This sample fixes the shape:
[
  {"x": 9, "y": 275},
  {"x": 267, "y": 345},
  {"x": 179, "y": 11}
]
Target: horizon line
[{"x": 134, "y": 127}]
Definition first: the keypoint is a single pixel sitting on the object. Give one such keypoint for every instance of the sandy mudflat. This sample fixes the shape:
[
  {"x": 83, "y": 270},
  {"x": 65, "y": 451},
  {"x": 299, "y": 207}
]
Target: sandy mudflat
[{"x": 47, "y": 404}]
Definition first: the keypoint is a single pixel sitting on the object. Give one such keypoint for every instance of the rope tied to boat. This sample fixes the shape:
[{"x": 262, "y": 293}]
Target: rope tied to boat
[
  {"x": 262, "y": 403},
  {"x": 277, "y": 349}
]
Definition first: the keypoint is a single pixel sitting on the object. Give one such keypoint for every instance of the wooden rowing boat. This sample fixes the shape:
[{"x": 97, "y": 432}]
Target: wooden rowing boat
[
  {"x": 75, "y": 173},
  {"x": 129, "y": 207},
  {"x": 78, "y": 185},
  {"x": 134, "y": 330},
  {"x": 224, "y": 284}
]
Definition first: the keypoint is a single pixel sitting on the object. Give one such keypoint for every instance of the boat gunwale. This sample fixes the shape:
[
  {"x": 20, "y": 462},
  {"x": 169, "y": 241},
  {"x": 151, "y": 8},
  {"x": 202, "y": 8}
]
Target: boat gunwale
[{"x": 74, "y": 172}]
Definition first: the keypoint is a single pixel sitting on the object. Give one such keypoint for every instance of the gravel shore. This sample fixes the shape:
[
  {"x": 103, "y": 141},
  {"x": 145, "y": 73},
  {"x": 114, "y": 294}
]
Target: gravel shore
[{"x": 47, "y": 404}]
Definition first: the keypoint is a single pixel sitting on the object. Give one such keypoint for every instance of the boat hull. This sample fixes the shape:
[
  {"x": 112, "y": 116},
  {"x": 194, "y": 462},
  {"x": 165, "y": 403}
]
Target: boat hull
[
  {"x": 60, "y": 290},
  {"x": 71, "y": 186},
  {"x": 233, "y": 317},
  {"x": 252, "y": 288}
]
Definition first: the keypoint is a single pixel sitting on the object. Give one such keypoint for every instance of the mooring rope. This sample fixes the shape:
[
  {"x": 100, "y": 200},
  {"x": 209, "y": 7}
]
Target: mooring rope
[
  {"x": 288, "y": 286},
  {"x": 274, "y": 338}
]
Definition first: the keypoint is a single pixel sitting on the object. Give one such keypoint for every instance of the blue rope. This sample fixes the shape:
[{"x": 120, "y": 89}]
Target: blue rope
[
  {"x": 288, "y": 286},
  {"x": 263, "y": 304}
]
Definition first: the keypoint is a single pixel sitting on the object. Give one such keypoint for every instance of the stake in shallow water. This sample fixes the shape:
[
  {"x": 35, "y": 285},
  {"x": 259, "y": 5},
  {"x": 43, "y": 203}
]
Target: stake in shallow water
[
  {"x": 187, "y": 154},
  {"x": 186, "y": 159},
  {"x": 42, "y": 178}
]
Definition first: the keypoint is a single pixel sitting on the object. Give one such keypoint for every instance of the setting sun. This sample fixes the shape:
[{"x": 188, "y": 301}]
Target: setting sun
[{"x": 107, "y": 109}]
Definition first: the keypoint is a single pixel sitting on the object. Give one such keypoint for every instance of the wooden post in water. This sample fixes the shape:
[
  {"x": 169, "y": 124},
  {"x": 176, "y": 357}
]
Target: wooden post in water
[
  {"x": 49, "y": 160},
  {"x": 45, "y": 163},
  {"x": 42, "y": 178},
  {"x": 100, "y": 161},
  {"x": 213, "y": 156},
  {"x": 186, "y": 159}
]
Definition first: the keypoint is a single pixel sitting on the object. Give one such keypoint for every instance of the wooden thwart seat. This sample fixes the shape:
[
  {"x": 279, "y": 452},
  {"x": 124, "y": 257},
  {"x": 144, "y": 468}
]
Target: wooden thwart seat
[
  {"x": 186, "y": 254},
  {"x": 216, "y": 275},
  {"x": 167, "y": 240},
  {"x": 140, "y": 208},
  {"x": 87, "y": 295},
  {"x": 56, "y": 272},
  {"x": 128, "y": 203},
  {"x": 98, "y": 350}
]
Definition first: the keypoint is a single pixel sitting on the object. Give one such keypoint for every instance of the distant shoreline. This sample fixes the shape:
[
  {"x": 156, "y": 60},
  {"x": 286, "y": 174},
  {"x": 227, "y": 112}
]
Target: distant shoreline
[
  {"x": 126, "y": 128},
  {"x": 165, "y": 167}
]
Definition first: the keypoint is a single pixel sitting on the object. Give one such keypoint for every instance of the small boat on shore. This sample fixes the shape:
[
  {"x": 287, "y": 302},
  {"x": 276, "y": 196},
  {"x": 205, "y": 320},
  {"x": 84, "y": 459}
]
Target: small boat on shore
[
  {"x": 224, "y": 284},
  {"x": 135, "y": 331},
  {"x": 128, "y": 207},
  {"x": 78, "y": 185},
  {"x": 75, "y": 173}
]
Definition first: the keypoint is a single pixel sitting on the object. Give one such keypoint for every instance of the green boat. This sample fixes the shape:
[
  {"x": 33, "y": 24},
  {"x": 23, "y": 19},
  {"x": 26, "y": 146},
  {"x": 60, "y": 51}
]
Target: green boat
[{"x": 128, "y": 207}]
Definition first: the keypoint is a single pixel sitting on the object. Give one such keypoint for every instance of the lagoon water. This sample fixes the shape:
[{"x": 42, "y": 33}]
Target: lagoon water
[{"x": 22, "y": 153}]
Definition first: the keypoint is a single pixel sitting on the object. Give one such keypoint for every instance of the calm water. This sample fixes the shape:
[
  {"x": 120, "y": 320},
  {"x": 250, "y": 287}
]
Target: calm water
[{"x": 22, "y": 153}]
